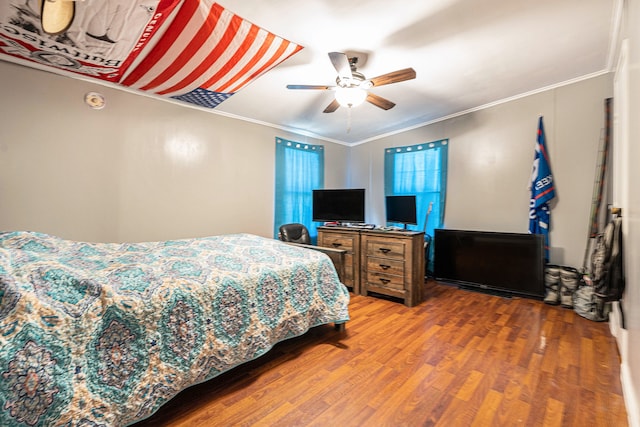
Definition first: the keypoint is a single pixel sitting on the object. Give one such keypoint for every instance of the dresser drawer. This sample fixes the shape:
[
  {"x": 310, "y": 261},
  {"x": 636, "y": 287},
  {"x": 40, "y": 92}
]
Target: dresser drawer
[
  {"x": 385, "y": 248},
  {"x": 348, "y": 241},
  {"x": 337, "y": 241},
  {"x": 385, "y": 266},
  {"x": 382, "y": 280}
]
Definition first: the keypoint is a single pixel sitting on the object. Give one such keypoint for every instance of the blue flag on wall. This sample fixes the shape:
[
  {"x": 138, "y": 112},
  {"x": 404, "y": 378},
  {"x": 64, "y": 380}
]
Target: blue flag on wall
[{"x": 542, "y": 191}]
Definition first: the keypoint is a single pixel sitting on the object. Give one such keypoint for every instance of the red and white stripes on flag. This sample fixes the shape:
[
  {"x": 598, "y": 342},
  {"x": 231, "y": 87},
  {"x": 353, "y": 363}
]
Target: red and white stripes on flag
[
  {"x": 193, "y": 50},
  {"x": 203, "y": 45}
]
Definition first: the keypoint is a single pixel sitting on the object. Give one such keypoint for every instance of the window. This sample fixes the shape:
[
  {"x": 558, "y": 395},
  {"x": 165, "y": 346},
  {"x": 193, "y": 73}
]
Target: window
[
  {"x": 299, "y": 170},
  {"x": 421, "y": 170}
]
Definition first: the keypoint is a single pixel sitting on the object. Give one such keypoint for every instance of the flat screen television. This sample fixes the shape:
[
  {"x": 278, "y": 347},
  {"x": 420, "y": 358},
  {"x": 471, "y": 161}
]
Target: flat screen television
[
  {"x": 401, "y": 209},
  {"x": 338, "y": 205},
  {"x": 506, "y": 262}
]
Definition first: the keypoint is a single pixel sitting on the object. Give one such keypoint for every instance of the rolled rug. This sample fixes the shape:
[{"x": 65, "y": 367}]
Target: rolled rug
[
  {"x": 552, "y": 284},
  {"x": 569, "y": 281}
]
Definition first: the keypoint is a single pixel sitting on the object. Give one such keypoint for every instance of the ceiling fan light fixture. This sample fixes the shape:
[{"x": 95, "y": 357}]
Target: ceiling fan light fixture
[
  {"x": 350, "y": 96},
  {"x": 352, "y": 86}
]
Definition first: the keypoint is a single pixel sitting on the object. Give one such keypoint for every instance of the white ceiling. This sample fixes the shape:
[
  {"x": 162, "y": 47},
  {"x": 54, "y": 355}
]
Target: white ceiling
[{"x": 466, "y": 54}]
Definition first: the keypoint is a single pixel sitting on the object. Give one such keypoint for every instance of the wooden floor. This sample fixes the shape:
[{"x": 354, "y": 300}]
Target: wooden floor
[{"x": 460, "y": 358}]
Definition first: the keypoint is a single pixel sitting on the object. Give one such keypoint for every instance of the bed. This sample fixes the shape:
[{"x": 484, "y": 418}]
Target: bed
[{"x": 102, "y": 334}]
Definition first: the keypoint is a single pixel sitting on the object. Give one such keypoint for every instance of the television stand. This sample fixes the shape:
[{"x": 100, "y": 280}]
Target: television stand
[
  {"x": 486, "y": 290},
  {"x": 382, "y": 262}
]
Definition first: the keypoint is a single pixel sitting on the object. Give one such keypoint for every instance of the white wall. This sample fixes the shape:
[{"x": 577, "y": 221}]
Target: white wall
[
  {"x": 490, "y": 158},
  {"x": 626, "y": 176},
  {"x": 139, "y": 169}
]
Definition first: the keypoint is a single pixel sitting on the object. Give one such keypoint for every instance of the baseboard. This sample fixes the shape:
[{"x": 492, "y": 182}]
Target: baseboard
[
  {"x": 615, "y": 321},
  {"x": 628, "y": 391},
  {"x": 630, "y": 396}
]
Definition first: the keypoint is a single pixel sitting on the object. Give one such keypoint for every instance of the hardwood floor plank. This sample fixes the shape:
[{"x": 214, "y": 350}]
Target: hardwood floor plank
[
  {"x": 553, "y": 413},
  {"x": 457, "y": 413},
  {"x": 587, "y": 364},
  {"x": 469, "y": 387},
  {"x": 488, "y": 409},
  {"x": 458, "y": 358},
  {"x": 516, "y": 413},
  {"x": 398, "y": 407},
  {"x": 550, "y": 357}
]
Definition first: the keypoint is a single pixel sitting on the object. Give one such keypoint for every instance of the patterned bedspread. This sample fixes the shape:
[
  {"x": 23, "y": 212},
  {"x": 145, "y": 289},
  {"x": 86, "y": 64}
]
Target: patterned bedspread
[{"x": 102, "y": 334}]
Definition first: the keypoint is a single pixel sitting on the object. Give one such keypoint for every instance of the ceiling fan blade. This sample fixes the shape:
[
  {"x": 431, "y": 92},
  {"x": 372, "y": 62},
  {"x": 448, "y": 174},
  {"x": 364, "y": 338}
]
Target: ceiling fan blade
[
  {"x": 379, "y": 101},
  {"x": 332, "y": 107},
  {"x": 319, "y": 87},
  {"x": 394, "y": 77},
  {"x": 341, "y": 64}
]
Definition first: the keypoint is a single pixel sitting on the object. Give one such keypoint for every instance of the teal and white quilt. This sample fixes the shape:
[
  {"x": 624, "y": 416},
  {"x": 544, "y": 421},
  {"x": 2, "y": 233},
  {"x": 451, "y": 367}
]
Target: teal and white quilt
[{"x": 102, "y": 334}]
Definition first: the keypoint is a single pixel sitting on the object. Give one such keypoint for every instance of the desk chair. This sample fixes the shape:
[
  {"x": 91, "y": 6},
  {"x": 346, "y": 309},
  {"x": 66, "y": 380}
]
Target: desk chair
[
  {"x": 299, "y": 235},
  {"x": 294, "y": 233}
]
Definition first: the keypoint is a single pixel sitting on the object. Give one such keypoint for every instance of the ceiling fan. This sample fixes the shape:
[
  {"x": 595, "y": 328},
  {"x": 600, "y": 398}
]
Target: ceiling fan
[{"x": 352, "y": 86}]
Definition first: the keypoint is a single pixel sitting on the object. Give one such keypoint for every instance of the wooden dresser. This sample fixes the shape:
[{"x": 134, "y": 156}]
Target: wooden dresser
[
  {"x": 381, "y": 262},
  {"x": 348, "y": 240}
]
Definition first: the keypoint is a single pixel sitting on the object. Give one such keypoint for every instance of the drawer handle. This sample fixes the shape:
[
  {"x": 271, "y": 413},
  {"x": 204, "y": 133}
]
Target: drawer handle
[
  {"x": 384, "y": 250},
  {"x": 336, "y": 245},
  {"x": 384, "y": 267},
  {"x": 384, "y": 281}
]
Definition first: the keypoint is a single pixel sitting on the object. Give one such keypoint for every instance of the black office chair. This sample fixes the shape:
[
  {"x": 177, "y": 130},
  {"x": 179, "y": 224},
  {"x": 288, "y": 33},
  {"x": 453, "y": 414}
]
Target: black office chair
[
  {"x": 295, "y": 233},
  {"x": 298, "y": 234}
]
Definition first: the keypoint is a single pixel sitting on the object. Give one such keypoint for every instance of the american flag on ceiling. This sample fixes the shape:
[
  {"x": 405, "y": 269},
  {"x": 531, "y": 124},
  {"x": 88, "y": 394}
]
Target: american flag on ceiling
[{"x": 195, "y": 51}]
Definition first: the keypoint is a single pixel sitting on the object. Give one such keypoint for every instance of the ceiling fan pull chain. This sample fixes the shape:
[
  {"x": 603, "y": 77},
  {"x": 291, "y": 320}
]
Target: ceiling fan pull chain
[{"x": 349, "y": 119}]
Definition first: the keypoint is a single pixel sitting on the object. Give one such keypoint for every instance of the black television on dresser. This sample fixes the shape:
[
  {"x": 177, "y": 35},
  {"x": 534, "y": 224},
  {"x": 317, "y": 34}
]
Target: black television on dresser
[
  {"x": 507, "y": 263},
  {"x": 401, "y": 209},
  {"x": 338, "y": 205}
]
